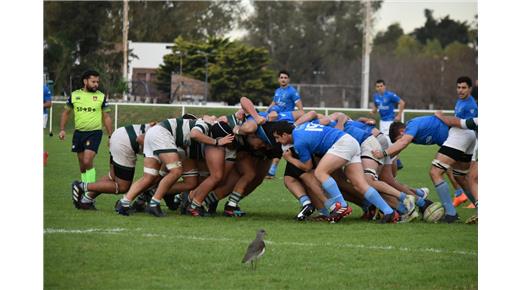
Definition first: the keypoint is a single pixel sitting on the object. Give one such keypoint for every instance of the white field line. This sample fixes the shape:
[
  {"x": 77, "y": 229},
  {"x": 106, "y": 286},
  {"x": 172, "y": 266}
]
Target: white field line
[{"x": 291, "y": 244}]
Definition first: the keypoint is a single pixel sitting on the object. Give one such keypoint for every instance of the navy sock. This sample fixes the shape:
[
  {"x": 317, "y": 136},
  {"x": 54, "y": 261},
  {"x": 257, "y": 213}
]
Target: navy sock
[
  {"x": 443, "y": 190},
  {"x": 373, "y": 196}
]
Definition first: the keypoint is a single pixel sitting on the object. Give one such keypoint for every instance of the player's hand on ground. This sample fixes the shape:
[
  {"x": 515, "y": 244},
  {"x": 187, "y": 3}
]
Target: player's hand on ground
[
  {"x": 62, "y": 135},
  {"x": 225, "y": 140},
  {"x": 377, "y": 154}
]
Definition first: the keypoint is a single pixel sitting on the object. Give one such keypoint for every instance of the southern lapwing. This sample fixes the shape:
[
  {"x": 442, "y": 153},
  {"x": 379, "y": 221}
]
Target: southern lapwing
[{"x": 256, "y": 249}]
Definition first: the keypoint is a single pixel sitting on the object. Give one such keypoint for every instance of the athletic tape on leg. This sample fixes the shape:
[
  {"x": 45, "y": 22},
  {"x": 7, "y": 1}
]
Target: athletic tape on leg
[
  {"x": 151, "y": 171},
  {"x": 176, "y": 164},
  {"x": 440, "y": 165}
]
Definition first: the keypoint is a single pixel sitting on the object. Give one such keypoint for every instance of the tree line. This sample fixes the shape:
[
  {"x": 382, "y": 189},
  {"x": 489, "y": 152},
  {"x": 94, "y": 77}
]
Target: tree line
[{"x": 318, "y": 42}]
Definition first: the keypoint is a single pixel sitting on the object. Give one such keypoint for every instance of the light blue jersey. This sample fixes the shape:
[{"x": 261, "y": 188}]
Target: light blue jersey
[
  {"x": 284, "y": 99},
  {"x": 46, "y": 97},
  {"x": 360, "y": 125},
  {"x": 359, "y": 134},
  {"x": 282, "y": 116},
  {"x": 466, "y": 108},
  {"x": 427, "y": 130},
  {"x": 386, "y": 104},
  {"x": 310, "y": 138}
]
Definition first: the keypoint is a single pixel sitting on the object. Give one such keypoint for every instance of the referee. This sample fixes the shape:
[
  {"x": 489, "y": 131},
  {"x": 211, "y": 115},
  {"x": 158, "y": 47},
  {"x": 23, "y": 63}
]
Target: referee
[{"x": 90, "y": 113}]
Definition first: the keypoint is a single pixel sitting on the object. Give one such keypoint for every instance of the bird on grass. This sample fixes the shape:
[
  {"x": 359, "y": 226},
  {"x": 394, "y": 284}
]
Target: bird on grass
[{"x": 256, "y": 249}]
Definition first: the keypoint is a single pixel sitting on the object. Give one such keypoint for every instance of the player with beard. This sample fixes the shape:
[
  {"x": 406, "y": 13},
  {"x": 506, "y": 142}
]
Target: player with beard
[{"x": 90, "y": 115}]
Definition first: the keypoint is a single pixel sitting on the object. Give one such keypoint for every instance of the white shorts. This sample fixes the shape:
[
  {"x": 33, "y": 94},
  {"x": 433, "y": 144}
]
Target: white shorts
[
  {"x": 45, "y": 119},
  {"x": 158, "y": 140},
  {"x": 230, "y": 155},
  {"x": 461, "y": 139},
  {"x": 475, "y": 153},
  {"x": 368, "y": 145},
  {"x": 121, "y": 149},
  {"x": 384, "y": 141},
  {"x": 384, "y": 126},
  {"x": 347, "y": 148}
]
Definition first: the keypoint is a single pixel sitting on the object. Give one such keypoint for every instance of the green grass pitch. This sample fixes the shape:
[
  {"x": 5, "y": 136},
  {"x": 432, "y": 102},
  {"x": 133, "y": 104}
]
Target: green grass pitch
[{"x": 102, "y": 250}]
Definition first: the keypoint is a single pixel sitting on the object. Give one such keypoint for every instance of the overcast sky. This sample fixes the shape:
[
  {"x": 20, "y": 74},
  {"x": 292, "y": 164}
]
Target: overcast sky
[{"x": 410, "y": 14}]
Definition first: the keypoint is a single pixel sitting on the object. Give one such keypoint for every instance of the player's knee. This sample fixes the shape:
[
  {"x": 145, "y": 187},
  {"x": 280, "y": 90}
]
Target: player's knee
[
  {"x": 472, "y": 177},
  {"x": 123, "y": 187}
]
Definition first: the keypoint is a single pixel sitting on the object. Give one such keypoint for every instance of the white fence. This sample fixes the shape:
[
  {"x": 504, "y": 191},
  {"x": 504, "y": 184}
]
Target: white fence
[{"x": 184, "y": 106}]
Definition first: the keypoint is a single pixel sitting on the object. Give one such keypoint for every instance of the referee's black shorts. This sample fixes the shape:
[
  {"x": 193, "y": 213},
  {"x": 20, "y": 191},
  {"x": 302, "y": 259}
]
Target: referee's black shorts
[{"x": 86, "y": 140}]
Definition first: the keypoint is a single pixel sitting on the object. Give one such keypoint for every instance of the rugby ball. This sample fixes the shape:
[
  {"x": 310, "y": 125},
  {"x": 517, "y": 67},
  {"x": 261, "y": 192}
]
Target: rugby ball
[{"x": 433, "y": 213}]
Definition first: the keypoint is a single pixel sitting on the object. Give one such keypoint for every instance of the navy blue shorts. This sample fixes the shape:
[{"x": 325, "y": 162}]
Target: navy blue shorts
[{"x": 83, "y": 140}]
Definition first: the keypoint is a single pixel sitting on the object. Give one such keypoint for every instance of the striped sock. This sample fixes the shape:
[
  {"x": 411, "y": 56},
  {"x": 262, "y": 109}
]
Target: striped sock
[
  {"x": 402, "y": 196},
  {"x": 211, "y": 198},
  {"x": 154, "y": 202},
  {"x": 194, "y": 204},
  {"x": 419, "y": 192},
  {"x": 304, "y": 200},
  {"x": 234, "y": 198},
  {"x": 125, "y": 202}
]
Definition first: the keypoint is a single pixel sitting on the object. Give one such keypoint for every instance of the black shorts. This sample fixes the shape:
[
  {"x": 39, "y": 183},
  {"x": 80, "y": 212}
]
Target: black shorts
[
  {"x": 122, "y": 172},
  {"x": 293, "y": 171},
  {"x": 455, "y": 154},
  {"x": 83, "y": 140}
]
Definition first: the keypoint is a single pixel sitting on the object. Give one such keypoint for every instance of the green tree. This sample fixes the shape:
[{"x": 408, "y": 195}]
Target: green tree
[
  {"x": 304, "y": 36},
  {"x": 387, "y": 40},
  {"x": 234, "y": 69},
  {"x": 445, "y": 30},
  {"x": 163, "y": 21},
  {"x": 407, "y": 46},
  {"x": 88, "y": 34}
]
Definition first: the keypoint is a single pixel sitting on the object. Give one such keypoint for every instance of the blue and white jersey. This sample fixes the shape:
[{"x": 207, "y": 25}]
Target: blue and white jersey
[
  {"x": 46, "y": 97},
  {"x": 466, "y": 108},
  {"x": 310, "y": 138},
  {"x": 386, "y": 104},
  {"x": 427, "y": 130},
  {"x": 285, "y": 99}
]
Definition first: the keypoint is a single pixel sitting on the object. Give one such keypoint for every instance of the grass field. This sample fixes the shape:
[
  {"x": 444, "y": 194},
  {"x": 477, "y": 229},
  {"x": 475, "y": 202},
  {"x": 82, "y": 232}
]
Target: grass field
[{"x": 102, "y": 250}]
